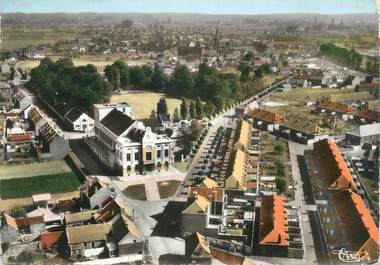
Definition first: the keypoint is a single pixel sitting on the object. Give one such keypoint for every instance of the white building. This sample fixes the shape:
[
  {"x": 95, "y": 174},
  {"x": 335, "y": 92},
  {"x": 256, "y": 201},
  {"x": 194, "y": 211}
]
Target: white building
[
  {"x": 79, "y": 121},
  {"x": 101, "y": 110},
  {"x": 123, "y": 143}
]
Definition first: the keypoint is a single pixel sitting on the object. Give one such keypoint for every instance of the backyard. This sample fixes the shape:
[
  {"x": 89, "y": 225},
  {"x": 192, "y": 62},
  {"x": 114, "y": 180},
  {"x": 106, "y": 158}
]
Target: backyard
[{"x": 275, "y": 160}]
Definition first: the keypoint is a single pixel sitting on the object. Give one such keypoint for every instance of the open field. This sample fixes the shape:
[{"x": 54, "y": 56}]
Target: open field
[
  {"x": 25, "y": 187},
  {"x": 34, "y": 169},
  {"x": 360, "y": 42},
  {"x": 306, "y": 94},
  {"x": 99, "y": 61},
  {"x": 167, "y": 188},
  {"x": 143, "y": 103},
  {"x": 21, "y": 37},
  {"x": 136, "y": 192},
  {"x": 292, "y": 104}
]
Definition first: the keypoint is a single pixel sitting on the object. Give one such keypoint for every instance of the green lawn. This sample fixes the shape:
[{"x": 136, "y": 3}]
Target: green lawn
[
  {"x": 28, "y": 186},
  {"x": 34, "y": 169},
  {"x": 136, "y": 192},
  {"x": 168, "y": 188},
  {"x": 143, "y": 103}
]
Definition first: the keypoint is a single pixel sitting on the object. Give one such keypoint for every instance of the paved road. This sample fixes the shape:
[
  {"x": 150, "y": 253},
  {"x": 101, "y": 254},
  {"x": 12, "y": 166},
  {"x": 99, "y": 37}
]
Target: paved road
[
  {"x": 224, "y": 120},
  {"x": 296, "y": 149}
]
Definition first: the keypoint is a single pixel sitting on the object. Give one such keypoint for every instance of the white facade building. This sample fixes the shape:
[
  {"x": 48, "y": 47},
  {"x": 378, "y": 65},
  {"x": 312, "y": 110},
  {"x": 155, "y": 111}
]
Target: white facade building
[
  {"x": 123, "y": 143},
  {"x": 101, "y": 110},
  {"x": 79, "y": 121}
]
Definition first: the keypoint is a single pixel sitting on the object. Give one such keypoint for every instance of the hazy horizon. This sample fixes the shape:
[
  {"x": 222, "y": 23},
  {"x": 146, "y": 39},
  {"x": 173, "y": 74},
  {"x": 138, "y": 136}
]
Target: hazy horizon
[{"x": 211, "y": 7}]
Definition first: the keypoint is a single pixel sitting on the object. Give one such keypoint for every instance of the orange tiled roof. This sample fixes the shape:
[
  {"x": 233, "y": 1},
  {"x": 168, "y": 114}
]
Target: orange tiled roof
[
  {"x": 336, "y": 106},
  {"x": 207, "y": 192},
  {"x": 48, "y": 239},
  {"x": 12, "y": 114},
  {"x": 357, "y": 222},
  {"x": 368, "y": 115},
  {"x": 273, "y": 223},
  {"x": 267, "y": 116},
  {"x": 337, "y": 173},
  {"x": 19, "y": 137}
]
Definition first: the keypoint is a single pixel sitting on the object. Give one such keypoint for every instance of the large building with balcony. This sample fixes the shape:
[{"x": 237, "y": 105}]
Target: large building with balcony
[{"x": 126, "y": 145}]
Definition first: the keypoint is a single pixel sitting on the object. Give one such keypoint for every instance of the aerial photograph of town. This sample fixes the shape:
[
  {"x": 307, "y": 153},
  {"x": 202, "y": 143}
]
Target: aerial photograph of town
[{"x": 242, "y": 132}]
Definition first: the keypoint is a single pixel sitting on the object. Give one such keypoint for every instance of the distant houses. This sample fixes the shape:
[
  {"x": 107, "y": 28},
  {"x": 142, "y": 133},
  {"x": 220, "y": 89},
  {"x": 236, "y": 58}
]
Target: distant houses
[{"x": 265, "y": 120}]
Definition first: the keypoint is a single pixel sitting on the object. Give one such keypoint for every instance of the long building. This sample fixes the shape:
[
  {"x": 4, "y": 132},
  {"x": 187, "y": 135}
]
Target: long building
[
  {"x": 123, "y": 143},
  {"x": 335, "y": 171}
]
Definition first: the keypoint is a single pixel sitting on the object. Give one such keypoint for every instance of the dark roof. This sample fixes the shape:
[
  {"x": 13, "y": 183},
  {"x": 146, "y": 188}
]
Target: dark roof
[
  {"x": 73, "y": 114},
  {"x": 117, "y": 122}
]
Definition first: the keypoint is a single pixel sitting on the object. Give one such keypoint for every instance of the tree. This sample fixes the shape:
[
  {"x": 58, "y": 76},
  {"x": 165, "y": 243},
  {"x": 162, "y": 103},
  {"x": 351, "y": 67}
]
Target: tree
[
  {"x": 181, "y": 83},
  {"x": 162, "y": 106},
  {"x": 219, "y": 103},
  {"x": 209, "y": 109},
  {"x": 279, "y": 148},
  {"x": 280, "y": 184},
  {"x": 192, "y": 111},
  {"x": 169, "y": 132},
  {"x": 258, "y": 73},
  {"x": 153, "y": 115},
  {"x": 159, "y": 80},
  {"x": 176, "y": 116},
  {"x": 184, "y": 109},
  {"x": 248, "y": 56},
  {"x": 64, "y": 86},
  {"x": 199, "y": 109},
  {"x": 116, "y": 78},
  {"x": 280, "y": 169}
]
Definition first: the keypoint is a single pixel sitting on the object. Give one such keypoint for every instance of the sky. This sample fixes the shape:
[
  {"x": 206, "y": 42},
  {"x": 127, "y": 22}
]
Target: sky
[{"x": 191, "y": 6}]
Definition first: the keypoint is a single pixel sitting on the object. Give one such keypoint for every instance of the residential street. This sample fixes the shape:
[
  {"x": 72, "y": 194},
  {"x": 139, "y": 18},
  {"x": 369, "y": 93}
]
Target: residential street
[{"x": 299, "y": 202}]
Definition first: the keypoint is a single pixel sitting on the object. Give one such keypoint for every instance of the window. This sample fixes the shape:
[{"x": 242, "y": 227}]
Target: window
[
  {"x": 148, "y": 156},
  {"x": 166, "y": 152},
  {"x": 128, "y": 157},
  {"x": 136, "y": 156},
  {"x": 158, "y": 153}
]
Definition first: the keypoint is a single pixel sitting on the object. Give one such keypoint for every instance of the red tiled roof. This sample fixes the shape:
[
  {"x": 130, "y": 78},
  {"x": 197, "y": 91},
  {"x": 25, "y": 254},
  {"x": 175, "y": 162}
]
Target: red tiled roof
[
  {"x": 335, "y": 169},
  {"x": 357, "y": 222},
  {"x": 207, "y": 192},
  {"x": 267, "y": 116},
  {"x": 19, "y": 137},
  {"x": 368, "y": 85},
  {"x": 24, "y": 221},
  {"x": 48, "y": 239},
  {"x": 273, "y": 223},
  {"x": 336, "y": 106},
  {"x": 368, "y": 115},
  {"x": 65, "y": 205},
  {"x": 251, "y": 184}
]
